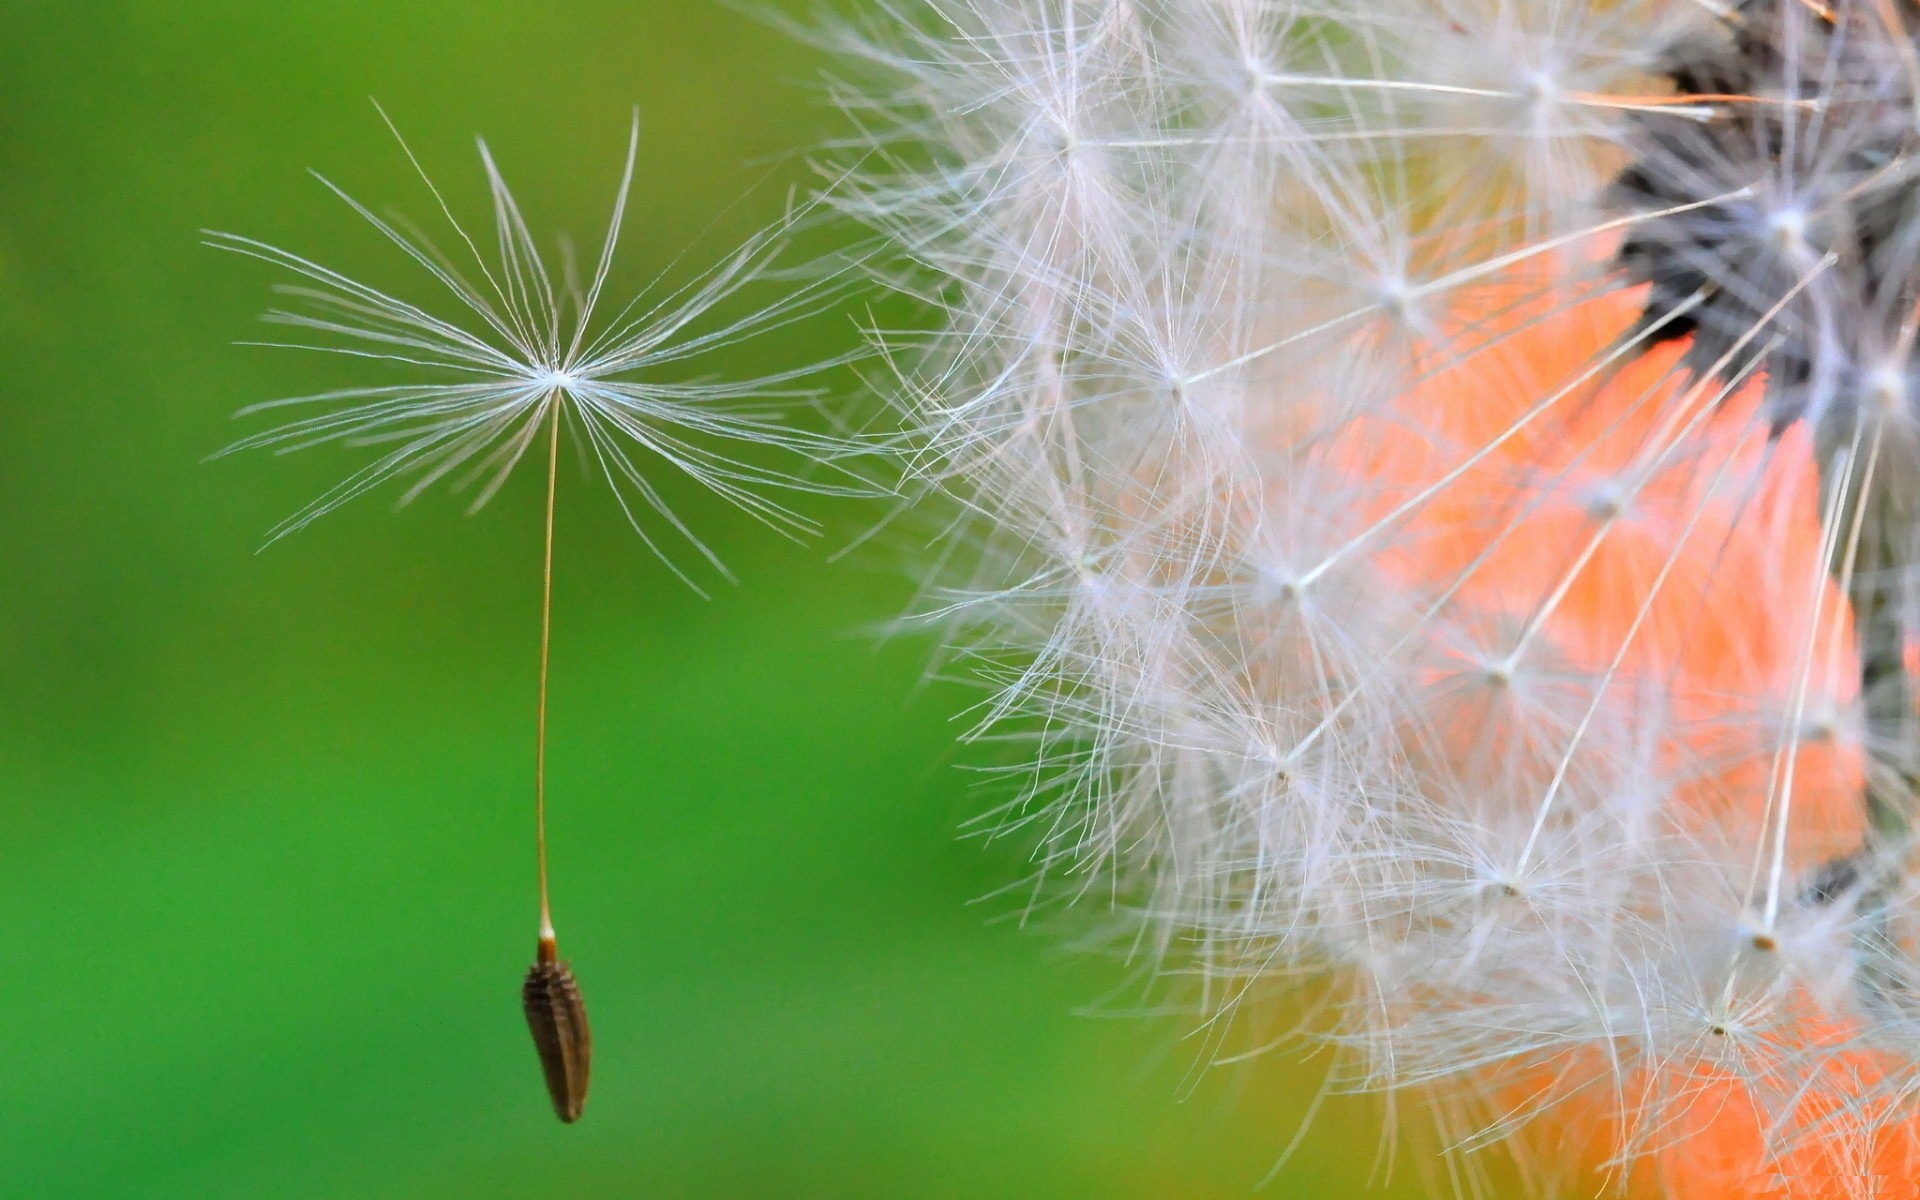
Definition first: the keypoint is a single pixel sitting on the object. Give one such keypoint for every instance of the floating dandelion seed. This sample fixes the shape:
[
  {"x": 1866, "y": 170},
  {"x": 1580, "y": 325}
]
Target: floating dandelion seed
[
  {"x": 1441, "y": 477},
  {"x": 529, "y": 354}
]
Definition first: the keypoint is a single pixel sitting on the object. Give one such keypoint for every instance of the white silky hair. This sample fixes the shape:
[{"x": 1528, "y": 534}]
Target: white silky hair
[
  {"x": 1191, "y": 259},
  {"x": 641, "y": 389}
]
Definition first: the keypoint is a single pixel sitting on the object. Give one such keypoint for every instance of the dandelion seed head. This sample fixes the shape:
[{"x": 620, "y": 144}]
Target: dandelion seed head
[{"x": 1435, "y": 490}]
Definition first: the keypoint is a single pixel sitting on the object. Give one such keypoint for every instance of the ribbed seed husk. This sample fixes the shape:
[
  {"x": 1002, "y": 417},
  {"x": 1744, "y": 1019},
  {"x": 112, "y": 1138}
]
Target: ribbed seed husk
[{"x": 558, "y": 1019}]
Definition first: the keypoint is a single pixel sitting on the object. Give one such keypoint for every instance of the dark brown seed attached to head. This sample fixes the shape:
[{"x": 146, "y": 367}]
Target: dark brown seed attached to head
[
  {"x": 1802, "y": 157},
  {"x": 558, "y": 1018}
]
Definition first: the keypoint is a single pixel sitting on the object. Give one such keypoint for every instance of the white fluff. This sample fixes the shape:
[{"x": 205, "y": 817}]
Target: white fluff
[
  {"x": 524, "y": 338},
  {"x": 1219, "y": 283}
]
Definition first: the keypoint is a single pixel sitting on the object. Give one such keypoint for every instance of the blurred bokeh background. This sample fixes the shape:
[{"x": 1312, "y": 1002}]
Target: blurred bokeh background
[{"x": 265, "y": 856}]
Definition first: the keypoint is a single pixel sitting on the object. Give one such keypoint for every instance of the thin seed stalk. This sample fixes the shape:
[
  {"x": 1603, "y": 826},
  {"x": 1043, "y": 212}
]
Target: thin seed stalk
[
  {"x": 1872, "y": 571},
  {"x": 549, "y": 995}
]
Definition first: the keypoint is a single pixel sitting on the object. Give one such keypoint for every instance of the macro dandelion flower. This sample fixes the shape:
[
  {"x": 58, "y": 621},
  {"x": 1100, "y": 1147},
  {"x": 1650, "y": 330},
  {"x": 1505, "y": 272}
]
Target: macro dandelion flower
[
  {"x": 1436, "y": 487},
  {"x": 528, "y": 356}
]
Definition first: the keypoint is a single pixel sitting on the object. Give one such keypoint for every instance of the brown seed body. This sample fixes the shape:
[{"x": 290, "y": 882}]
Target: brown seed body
[{"x": 558, "y": 1018}]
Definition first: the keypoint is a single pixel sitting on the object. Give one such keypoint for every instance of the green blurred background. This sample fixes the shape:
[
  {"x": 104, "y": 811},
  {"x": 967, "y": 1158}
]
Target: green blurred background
[{"x": 265, "y": 827}]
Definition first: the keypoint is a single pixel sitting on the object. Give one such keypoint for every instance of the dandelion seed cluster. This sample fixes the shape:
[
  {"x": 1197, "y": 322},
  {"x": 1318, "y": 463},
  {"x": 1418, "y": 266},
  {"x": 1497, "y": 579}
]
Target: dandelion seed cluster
[{"x": 1437, "y": 481}]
